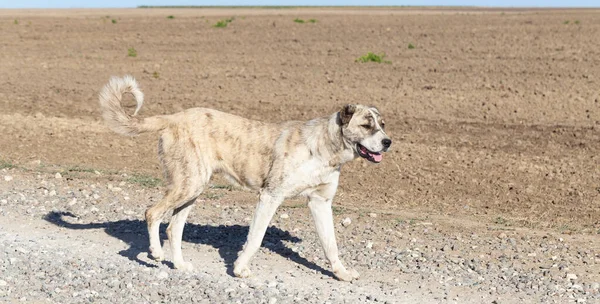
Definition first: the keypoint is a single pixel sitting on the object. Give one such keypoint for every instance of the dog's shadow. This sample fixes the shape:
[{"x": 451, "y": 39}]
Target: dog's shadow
[{"x": 227, "y": 239}]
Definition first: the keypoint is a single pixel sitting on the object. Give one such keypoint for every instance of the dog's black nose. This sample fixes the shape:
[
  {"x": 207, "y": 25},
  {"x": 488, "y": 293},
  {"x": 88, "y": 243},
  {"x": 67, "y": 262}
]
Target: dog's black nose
[{"x": 386, "y": 142}]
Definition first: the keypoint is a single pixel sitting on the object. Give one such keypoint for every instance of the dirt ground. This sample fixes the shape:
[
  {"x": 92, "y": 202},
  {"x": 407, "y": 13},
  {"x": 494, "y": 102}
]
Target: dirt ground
[{"x": 494, "y": 113}]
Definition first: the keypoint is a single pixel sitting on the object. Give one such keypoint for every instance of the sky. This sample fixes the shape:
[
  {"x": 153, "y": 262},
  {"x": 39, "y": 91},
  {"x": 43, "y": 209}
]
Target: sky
[{"x": 135, "y": 3}]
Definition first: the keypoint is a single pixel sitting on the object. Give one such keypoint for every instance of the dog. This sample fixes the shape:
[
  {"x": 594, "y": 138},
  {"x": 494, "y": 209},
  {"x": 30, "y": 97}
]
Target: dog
[{"x": 280, "y": 160}]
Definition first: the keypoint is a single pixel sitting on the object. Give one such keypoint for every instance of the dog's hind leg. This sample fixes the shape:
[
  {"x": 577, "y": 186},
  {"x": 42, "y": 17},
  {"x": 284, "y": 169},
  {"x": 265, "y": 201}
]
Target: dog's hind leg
[
  {"x": 180, "y": 199},
  {"x": 267, "y": 205},
  {"x": 175, "y": 233},
  {"x": 154, "y": 216}
]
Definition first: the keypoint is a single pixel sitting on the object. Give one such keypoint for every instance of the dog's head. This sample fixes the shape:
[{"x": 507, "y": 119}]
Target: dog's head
[{"x": 363, "y": 128}]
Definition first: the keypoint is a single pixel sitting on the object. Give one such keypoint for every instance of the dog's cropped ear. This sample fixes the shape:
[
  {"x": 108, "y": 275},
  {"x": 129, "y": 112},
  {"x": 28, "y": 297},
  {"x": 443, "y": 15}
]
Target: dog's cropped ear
[{"x": 346, "y": 113}]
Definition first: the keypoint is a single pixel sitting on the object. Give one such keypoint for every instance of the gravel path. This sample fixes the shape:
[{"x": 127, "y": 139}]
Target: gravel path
[{"x": 79, "y": 239}]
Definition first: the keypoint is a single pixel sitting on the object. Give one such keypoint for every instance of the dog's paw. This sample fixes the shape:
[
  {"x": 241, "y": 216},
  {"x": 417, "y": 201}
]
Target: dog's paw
[
  {"x": 185, "y": 266},
  {"x": 242, "y": 271},
  {"x": 156, "y": 254},
  {"x": 347, "y": 275}
]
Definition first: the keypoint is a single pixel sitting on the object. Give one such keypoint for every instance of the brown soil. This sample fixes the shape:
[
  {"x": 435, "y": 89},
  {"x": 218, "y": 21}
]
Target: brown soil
[{"x": 494, "y": 113}]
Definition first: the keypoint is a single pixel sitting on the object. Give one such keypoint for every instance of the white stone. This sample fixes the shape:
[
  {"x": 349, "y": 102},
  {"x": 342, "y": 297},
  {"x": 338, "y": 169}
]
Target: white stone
[
  {"x": 346, "y": 222},
  {"x": 571, "y": 276},
  {"x": 58, "y": 175},
  {"x": 162, "y": 275},
  {"x": 284, "y": 216},
  {"x": 8, "y": 178},
  {"x": 577, "y": 287}
]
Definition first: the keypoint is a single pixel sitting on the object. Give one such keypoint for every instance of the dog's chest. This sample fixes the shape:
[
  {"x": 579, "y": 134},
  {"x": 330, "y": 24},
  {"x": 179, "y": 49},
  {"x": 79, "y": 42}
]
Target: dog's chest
[{"x": 311, "y": 174}]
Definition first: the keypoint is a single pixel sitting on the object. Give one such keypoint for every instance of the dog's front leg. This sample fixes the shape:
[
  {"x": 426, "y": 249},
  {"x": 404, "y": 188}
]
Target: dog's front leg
[
  {"x": 267, "y": 205},
  {"x": 320, "y": 208}
]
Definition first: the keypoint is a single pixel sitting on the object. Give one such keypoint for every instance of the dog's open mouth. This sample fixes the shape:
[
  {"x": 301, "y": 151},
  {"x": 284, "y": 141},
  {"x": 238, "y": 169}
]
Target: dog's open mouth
[{"x": 368, "y": 155}]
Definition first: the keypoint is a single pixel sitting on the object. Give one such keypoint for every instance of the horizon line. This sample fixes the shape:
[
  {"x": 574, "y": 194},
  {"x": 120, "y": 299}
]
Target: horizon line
[{"x": 314, "y": 6}]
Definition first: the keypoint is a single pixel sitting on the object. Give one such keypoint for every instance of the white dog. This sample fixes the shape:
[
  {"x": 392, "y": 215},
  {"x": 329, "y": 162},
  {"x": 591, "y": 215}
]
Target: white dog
[{"x": 294, "y": 158}]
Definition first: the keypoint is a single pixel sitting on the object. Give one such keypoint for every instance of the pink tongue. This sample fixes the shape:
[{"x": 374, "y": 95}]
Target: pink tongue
[{"x": 377, "y": 157}]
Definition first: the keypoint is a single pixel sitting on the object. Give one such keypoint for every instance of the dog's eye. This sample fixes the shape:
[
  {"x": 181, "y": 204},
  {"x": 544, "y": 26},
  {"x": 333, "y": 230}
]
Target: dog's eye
[
  {"x": 366, "y": 126},
  {"x": 382, "y": 125}
]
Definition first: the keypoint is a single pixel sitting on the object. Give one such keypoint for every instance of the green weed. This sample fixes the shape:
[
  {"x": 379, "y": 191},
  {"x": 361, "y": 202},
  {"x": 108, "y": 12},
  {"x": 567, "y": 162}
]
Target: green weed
[
  {"x": 411, "y": 46},
  {"x": 501, "y": 221},
  {"x": 299, "y": 20},
  {"x": 219, "y": 186},
  {"x": 312, "y": 20},
  {"x": 4, "y": 164},
  {"x": 144, "y": 180},
  {"x": 114, "y": 21},
  {"x": 131, "y": 52},
  {"x": 224, "y": 23},
  {"x": 372, "y": 57},
  {"x": 155, "y": 75},
  {"x": 220, "y": 23},
  {"x": 213, "y": 196},
  {"x": 337, "y": 210},
  {"x": 170, "y": 17},
  {"x": 576, "y": 22},
  {"x": 566, "y": 22},
  {"x": 81, "y": 169},
  {"x": 16, "y": 21}
]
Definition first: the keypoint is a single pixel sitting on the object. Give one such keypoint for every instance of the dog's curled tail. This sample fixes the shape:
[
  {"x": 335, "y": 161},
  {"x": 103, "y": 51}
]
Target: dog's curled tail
[{"x": 114, "y": 115}]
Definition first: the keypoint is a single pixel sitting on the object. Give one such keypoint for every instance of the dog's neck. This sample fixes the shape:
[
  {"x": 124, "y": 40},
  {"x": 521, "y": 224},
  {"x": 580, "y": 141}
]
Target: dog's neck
[{"x": 325, "y": 140}]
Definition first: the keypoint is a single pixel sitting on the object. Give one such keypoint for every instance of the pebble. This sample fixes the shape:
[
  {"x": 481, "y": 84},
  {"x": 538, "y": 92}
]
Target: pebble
[
  {"x": 577, "y": 287},
  {"x": 284, "y": 216},
  {"x": 8, "y": 178},
  {"x": 162, "y": 275},
  {"x": 346, "y": 222},
  {"x": 571, "y": 276},
  {"x": 3, "y": 283},
  {"x": 373, "y": 214},
  {"x": 58, "y": 175}
]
